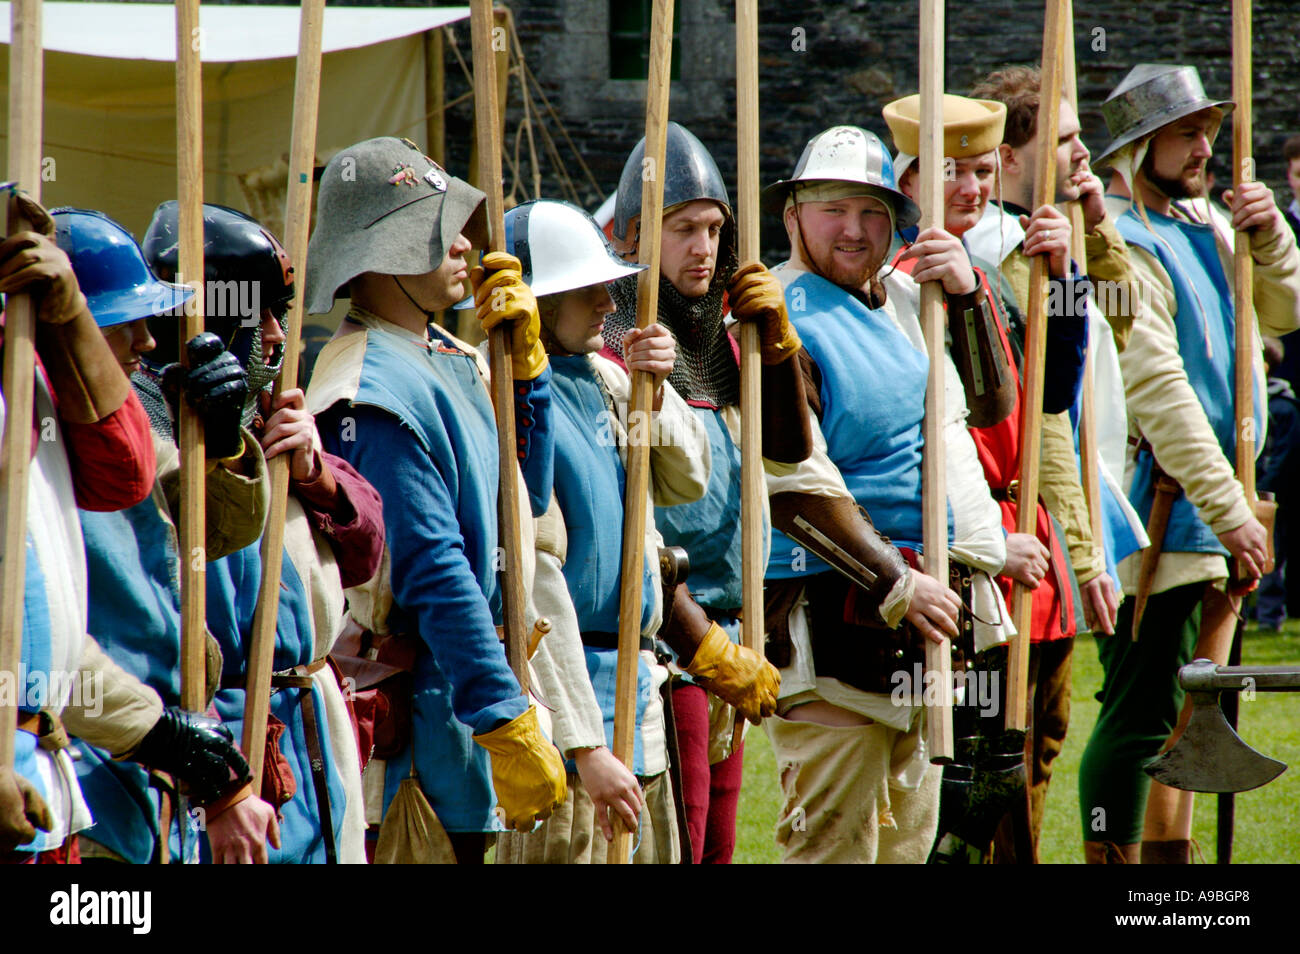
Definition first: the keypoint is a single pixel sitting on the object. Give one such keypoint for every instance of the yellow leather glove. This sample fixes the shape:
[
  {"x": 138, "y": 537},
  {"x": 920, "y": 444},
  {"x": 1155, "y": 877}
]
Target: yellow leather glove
[
  {"x": 736, "y": 674},
  {"x": 22, "y": 811},
  {"x": 527, "y": 771},
  {"x": 501, "y": 295},
  {"x": 755, "y": 294}
]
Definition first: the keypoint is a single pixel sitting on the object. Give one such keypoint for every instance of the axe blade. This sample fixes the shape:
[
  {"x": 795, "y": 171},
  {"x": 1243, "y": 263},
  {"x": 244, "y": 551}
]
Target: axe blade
[{"x": 1210, "y": 756}]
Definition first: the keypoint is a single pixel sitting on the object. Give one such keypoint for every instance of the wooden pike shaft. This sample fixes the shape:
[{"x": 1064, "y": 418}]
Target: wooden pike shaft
[
  {"x": 934, "y": 493},
  {"x": 1031, "y": 413},
  {"x": 753, "y": 485},
  {"x": 189, "y": 169},
  {"x": 1088, "y": 454},
  {"x": 638, "y": 452},
  {"x": 26, "y": 79},
  {"x": 1243, "y": 272},
  {"x": 487, "y": 127},
  {"x": 297, "y": 219}
]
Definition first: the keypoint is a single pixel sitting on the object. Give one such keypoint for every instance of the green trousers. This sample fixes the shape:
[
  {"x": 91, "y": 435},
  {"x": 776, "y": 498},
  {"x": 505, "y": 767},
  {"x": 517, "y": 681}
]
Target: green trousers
[{"x": 1140, "y": 702}]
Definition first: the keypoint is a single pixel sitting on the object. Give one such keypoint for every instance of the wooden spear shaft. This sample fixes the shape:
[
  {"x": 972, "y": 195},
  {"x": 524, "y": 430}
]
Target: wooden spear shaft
[
  {"x": 753, "y": 485},
  {"x": 26, "y": 71},
  {"x": 189, "y": 169},
  {"x": 1031, "y": 412},
  {"x": 638, "y": 450},
  {"x": 1088, "y": 452},
  {"x": 297, "y": 227},
  {"x": 487, "y": 127},
  {"x": 934, "y": 493},
  {"x": 1243, "y": 272}
]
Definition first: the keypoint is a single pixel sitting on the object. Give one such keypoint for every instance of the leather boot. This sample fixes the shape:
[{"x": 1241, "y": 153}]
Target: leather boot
[
  {"x": 1177, "y": 852},
  {"x": 1109, "y": 853}
]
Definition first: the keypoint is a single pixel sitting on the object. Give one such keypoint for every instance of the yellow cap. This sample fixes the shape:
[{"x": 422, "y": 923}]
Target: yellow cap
[{"x": 971, "y": 127}]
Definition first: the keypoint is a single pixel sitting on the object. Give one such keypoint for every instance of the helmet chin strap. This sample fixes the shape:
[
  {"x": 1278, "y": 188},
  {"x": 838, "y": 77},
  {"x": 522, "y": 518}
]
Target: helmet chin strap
[{"x": 420, "y": 308}]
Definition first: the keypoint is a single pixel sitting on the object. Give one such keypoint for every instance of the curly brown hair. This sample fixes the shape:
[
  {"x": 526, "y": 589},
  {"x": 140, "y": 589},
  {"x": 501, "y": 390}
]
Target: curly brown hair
[{"x": 1017, "y": 87}]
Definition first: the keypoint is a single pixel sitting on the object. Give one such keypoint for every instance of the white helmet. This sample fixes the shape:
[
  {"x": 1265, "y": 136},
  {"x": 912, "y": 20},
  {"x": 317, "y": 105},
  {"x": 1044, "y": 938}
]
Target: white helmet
[{"x": 560, "y": 247}]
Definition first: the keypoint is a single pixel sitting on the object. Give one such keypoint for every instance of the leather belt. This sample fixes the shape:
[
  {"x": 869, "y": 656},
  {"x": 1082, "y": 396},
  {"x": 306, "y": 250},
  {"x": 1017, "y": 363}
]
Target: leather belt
[
  {"x": 598, "y": 640},
  {"x": 299, "y": 677}
]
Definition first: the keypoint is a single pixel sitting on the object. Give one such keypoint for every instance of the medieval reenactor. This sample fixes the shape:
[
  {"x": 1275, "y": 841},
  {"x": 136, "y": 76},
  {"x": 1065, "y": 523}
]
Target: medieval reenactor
[
  {"x": 568, "y": 264},
  {"x": 1178, "y": 371},
  {"x": 334, "y": 537},
  {"x": 132, "y": 559},
  {"x": 72, "y": 687},
  {"x": 406, "y": 404},
  {"x": 973, "y": 130},
  {"x": 698, "y": 265},
  {"x": 847, "y": 615}
]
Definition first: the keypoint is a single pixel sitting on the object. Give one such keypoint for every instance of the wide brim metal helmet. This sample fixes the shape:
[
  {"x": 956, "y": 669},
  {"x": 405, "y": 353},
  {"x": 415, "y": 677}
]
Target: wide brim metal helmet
[
  {"x": 689, "y": 174},
  {"x": 1153, "y": 95},
  {"x": 111, "y": 269},
  {"x": 245, "y": 271},
  {"x": 850, "y": 155},
  {"x": 560, "y": 247},
  {"x": 385, "y": 207}
]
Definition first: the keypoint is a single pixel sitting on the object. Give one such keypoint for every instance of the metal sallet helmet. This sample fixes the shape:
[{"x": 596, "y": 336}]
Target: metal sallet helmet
[{"x": 689, "y": 173}]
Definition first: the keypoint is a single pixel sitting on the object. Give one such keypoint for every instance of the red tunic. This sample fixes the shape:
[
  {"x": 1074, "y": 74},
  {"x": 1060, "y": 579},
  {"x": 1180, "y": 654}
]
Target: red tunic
[{"x": 998, "y": 447}]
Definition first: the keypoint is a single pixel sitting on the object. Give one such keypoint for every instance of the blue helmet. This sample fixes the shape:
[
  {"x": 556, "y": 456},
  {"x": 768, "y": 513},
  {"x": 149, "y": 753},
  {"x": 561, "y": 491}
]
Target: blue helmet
[{"x": 111, "y": 269}]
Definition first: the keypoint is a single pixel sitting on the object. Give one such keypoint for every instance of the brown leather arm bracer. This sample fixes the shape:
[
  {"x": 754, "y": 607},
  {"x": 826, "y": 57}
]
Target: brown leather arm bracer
[
  {"x": 86, "y": 378},
  {"x": 787, "y": 433},
  {"x": 838, "y": 531}
]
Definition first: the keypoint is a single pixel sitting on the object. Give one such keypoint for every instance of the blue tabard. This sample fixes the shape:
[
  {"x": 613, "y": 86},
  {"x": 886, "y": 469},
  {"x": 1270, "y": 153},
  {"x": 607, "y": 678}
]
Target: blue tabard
[
  {"x": 1190, "y": 257},
  {"x": 134, "y": 614},
  {"x": 436, "y": 395},
  {"x": 590, "y": 485},
  {"x": 232, "y": 588},
  {"x": 709, "y": 528},
  {"x": 873, "y": 411}
]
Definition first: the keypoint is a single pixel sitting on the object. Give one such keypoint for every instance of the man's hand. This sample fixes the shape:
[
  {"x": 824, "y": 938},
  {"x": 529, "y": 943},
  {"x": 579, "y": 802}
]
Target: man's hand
[
  {"x": 238, "y": 836},
  {"x": 32, "y": 263},
  {"x": 22, "y": 811},
  {"x": 933, "y": 609},
  {"x": 1092, "y": 197},
  {"x": 527, "y": 771},
  {"x": 1249, "y": 546},
  {"x": 941, "y": 257},
  {"x": 216, "y": 387},
  {"x": 653, "y": 350},
  {"x": 1047, "y": 232},
  {"x": 1100, "y": 604},
  {"x": 755, "y": 294},
  {"x": 1027, "y": 559},
  {"x": 292, "y": 429},
  {"x": 1253, "y": 207},
  {"x": 501, "y": 295},
  {"x": 612, "y": 788}
]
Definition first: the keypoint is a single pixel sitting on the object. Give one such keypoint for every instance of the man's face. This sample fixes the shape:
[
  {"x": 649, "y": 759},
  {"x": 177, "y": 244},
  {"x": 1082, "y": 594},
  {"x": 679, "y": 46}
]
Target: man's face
[
  {"x": 1293, "y": 177},
  {"x": 579, "y": 317},
  {"x": 965, "y": 193},
  {"x": 128, "y": 341},
  {"x": 1176, "y": 156},
  {"x": 688, "y": 247},
  {"x": 844, "y": 241},
  {"x": 1071, "y": 153},
  {"x": 443, "y": 286}
]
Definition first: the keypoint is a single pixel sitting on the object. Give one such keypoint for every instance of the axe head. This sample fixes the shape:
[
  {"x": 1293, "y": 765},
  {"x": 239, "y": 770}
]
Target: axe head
[{"x": 1210, "y": 756}]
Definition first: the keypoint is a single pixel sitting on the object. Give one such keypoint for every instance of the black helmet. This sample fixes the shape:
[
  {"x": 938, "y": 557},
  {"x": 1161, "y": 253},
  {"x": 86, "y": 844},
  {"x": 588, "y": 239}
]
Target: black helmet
[
  {"x": 689, "y": 173},
  {"x": 245, "y": 271}
]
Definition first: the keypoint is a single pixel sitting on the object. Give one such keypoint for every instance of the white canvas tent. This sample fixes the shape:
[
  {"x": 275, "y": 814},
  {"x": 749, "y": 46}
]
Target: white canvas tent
[{"x": 109, "y": 122}]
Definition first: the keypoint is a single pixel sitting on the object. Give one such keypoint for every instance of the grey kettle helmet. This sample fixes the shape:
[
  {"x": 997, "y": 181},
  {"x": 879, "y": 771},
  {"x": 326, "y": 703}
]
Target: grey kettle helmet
[{"x": 1153, "y": 95}]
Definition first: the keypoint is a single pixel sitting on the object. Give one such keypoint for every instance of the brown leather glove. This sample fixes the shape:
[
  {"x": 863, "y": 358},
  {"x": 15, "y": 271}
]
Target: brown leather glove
[
  {"x": 861, "y": 553},
  {"x": 22, "y": 811},
  {"x": 736, "y": 675},
  {"x": 85, "y": 376},
  {"x": 756, "y": 295}
]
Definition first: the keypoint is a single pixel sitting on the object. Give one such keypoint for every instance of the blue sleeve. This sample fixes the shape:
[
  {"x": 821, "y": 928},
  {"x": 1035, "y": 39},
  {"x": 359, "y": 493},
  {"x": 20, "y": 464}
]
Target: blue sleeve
[
  {"x": 536, "y": 438},
  {"x": 432, "y": 579},
  {"x": 1067, "y": 342}
]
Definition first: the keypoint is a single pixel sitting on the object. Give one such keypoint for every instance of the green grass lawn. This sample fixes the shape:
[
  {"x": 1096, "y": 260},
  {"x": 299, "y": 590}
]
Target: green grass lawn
[{"x": 1268, "y": 819}]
